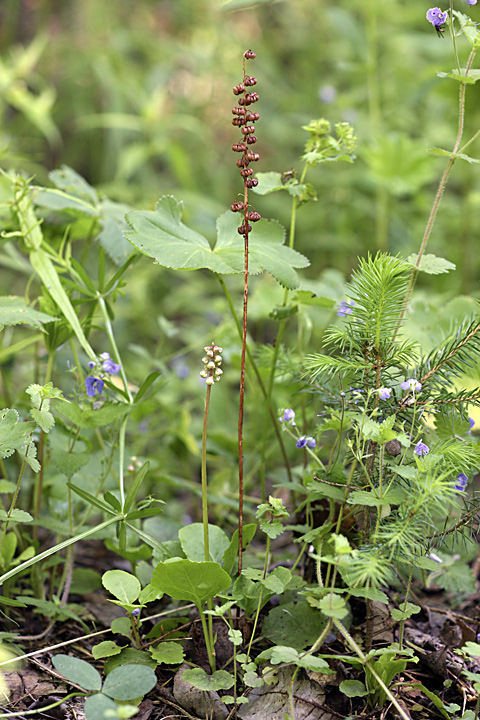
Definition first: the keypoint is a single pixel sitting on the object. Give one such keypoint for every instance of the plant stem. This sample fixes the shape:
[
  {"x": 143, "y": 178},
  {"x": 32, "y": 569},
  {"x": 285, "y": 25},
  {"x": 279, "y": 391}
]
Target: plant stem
[
  {"x": 204, "y": 476},
  {"x": 259, "y": 606}
]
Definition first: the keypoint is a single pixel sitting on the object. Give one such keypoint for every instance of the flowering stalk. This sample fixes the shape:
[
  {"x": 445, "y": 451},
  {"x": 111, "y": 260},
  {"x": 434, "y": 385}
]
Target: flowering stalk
[{"x": 244, "y": 119}]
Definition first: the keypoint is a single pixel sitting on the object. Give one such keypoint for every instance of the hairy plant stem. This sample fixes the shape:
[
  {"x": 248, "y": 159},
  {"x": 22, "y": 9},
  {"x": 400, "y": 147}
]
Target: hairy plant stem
[{"x": 438, "y": 196}]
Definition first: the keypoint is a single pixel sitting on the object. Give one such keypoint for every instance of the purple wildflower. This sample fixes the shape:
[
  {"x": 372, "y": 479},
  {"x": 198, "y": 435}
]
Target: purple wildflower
[
  {"x": 310, "y": 442},
  {"x": 411, "y": 384},
  {"x": 288, "y": 416},
  {"x": 436, "y": 16},
  {"x": 384, "y": 393},
  {"x": 136, "y": 612},
  {"x": 110, "y": 367},
  {"x": 94, "y": 385},
  {"x": 462, "y": 481},
  {"x": 471, "y": 2},
  {"x": 471, "y": 422},
  {"x": 91, "y": 364},
  {"x": 345, "y": 308},
  {"x": 421, "y": 449}
]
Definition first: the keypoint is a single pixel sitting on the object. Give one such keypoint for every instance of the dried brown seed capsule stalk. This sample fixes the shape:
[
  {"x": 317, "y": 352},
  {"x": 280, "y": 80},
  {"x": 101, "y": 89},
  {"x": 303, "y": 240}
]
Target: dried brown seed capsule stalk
[
  {"x": 246, "y": 172},
  {"x": 251, "y": 182},
  {"x": 242, "y": 162},
  {"x": 239, "y": 89},
  {"x": 249, "y": 81},
  {"x": 248, "y": 130},
  {"x": 250, "y": 55},
  {"x": 252, "y": 157},
  {"x": 239, "y": 147},
  {"x": 253, "y": 216},
  {"x": 238, "y": 121},
  {"x": 251, "y": 139},
  {"x": 238, "y": 111},
  {"x": 241, "y": 229},
  {"x": 252, "y": 117},
  {"x": 237, "y": 206}
]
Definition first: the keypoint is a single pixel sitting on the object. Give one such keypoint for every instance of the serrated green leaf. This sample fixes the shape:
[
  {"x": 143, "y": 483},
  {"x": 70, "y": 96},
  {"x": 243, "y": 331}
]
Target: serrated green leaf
[
  {"x": 403, "y": 614},
  {"x": 161, "y": 235},
  {"x": 15, "y": 311},
  {"x": 431, "y": 264},
  {"x": 268, "y": 182},
  {"x": 68, "y": 463},
  {"x": 370, "y": 593},
  {"x": 89, "y": 417},
  {"x": 332, "y": 605},
  {"x": 16, "y": 516},
  {"x": 14, "y": 435},
  {"x": 43, "y": 418}
]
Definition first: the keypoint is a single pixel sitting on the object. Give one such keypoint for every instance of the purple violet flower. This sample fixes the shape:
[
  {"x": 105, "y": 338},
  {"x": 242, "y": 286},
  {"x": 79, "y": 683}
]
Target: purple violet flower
[
  {"x": 91, "y": 364},
  {"x": 471, "y": 2},
  {"x": 436, "y": 16},
  {"x": 411, "y": 384},
  {"x": 345, "y": 308},
  {"x": 471, "y": 422},
  {"x": 110, "y": 367},
  {"x": 93, "y": 385},
  {"x": 384, "y": 393},
  {"x": 310, "y": 442},
  {"x": 421, "y": 449},
  {"x": 462, "y": 482},
  {"x": 288, "y": 416}
]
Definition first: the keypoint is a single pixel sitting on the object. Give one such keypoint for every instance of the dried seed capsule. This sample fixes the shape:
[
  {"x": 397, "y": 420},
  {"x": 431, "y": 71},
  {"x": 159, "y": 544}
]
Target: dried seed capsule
[
  {"x": 250, "y": 55},
  {"x": 252, "y": 117},
  {"x": 238, "y": 205},
  {"x": 251, "y": 139},
  {"x": 238, "y": 121},
  {"x": 248, "y": 129},
  {"x": 249, "y": 81},
  {"x": 252, "y": 97},
  {"x": 241, "y": 229},
  {"x": 239, "y": 147},
  {"x": 244, "y": 100},
  {"x": 254, "y": 216},
  {"x": 242, "y": 162},
  {"x": 252, "y": 157},
  {"x": 239, "y": 89},
  {"x": 246, "y": 172},
  {"x": 238, "y": 111},
  {"x": 252, "y": 182}
]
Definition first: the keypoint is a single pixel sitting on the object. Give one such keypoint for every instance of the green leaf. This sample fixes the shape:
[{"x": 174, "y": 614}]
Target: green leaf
[
  {"x": 306, "y": 297},
  {"x": 370, "y": 593},
  {"x": 14, "y": 435},
  {"x": 403, "y": 614},
  {"x": 112, "y": 218},
  {"x": 192, "y": 541},
  {"x": 71, "y": 182},
  {"x": 91, "y": 499},
  {"x": 15, "y": 311},
  {"x": 124, "y": 586},
  {"x": 219, "y": 680},
  {"x": 89, "y": 417},
  {"x": 230, "y": 556},
  {"x": 294, "y": 620},
  {"x": 353, "y": 688},
  {"x": 169, "y": 653},
  {"x": 161, "y": 235},
  {"x": 107, "y": 648},
  {"x": 283, "y": 654},
  {"x": 43, "y": 418},
  {"x": 310, "y": 662},
  {"x": 149, "y": 380},
  {"x": 332, "y": 605},
  {"x": 393, "y": 496},
  {"x": 431, "y": 264},
  {"x": 100, "y": 707},
  {"x": 68, "y": 463},
  {"x": 269, "y": 182},
  {"x": 134, "y": 487},
  {"x": 191, "y": 581},
  {"x": 471, "y": 648},
  {"x": 128, "y": 682},
  {"x": 16, "y": 516},
  {"x": 78, "y": 671}
]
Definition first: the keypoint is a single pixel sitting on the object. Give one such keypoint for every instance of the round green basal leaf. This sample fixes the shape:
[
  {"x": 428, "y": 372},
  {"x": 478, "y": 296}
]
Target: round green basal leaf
[
  {"x": 128, "y": 682},
  {"x": 96, "y": 707},
  {"x": 105, "y": 649},
  {"x": 128, "y": 656},
  {"x": 194, "y": 582},
  {"x": 170, "y": 653},
  {"x": 192, "y": 540},
  {"x": 78, "y": 672},
  {"x": 124, "y": 586},
  {"x": 219, "y": 680},
  {"x": 296, "y": 621},
  {"x": 353, "y": 688}
]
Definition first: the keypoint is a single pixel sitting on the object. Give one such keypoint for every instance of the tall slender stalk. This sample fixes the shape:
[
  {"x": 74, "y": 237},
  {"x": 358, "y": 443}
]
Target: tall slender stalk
[{"x": 242, "y": 119}]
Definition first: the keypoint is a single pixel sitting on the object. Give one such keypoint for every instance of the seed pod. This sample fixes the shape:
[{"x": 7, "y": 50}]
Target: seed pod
[
  {"x": 238, "y": 121},
  {"x": 239, "y": 147},
  {"x": 238, "y": 111},
  {"x": 251, "y": 139},
  {"x": 244, "y": 100},
  {"x": 246, "y": 172},
  {"x": 251, "y": 182},
  {"x": 250, "y": 55},
  {"x": 252, "y": 97},
  {"x": 242, "y": 162},
  {"x": 248, "y": 129},
  {"x": 239, "y": 89},
  {"x": 241, "y": 229},
  {"x": 252, "y": 117},
  {"x": 253, "y": 216},
  {"x": 249, "y": 81},
  {"x": 393, "y": 447},
  {"x": 252, "y": 157},
  {"x": 238, "y": 205}
]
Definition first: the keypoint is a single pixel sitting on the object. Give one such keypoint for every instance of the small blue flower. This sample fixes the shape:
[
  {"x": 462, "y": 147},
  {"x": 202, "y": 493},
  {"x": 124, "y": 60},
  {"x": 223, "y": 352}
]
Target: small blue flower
[
  {"x": 91, "y": 364},
  {"x": 93, "y": 385},
  {"x": 345, "y": 308},
  {"x": 411, "y": 384},
  {"x": 288, "y": 416},
  {"x": 462, "y": 482},
  {"x": 136, "y": 612},
  {"x": 110, "y": 367},
  {"x": 384, "y": 393},
  {"x": 421, "y": 449},
  {"x": 436, "y": 16},
  {"x": 471, "y": 422},
  {"x": 310, "y": 442},
  {"x": 471, "y": 2}
]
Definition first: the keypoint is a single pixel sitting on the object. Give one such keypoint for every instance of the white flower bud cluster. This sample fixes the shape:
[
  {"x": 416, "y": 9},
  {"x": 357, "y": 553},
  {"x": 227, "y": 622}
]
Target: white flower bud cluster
[{"x": 212, "y": 361}]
